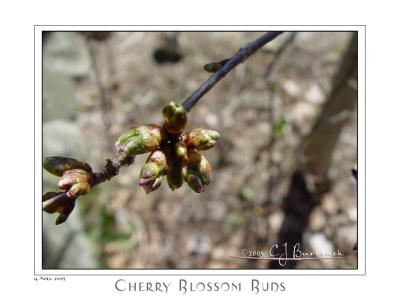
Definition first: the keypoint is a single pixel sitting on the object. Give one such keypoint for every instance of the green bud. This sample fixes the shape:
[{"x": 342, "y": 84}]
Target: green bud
[
  {"x": 192, "y": 179},
  {"x": 202, "y": 166},
  {"x": 198, "y": 171},
  {"x": 158, "y": 157},
  {"x": 139, "y": 140},
  {"x": 76, "y": 182},
  {"x": 202, "y": 139},
  {"x": 175, "y": 118},
  {"x": 181, "y": 150},
  {"x": 152, "y": 173},
  {"x": 194, "y": 157},
  {"x": 204, "y": 170},
  {"x": 57, "y": 165},
  {"x": 150, "y": 185},
  {"x": 215, "y": 66}
]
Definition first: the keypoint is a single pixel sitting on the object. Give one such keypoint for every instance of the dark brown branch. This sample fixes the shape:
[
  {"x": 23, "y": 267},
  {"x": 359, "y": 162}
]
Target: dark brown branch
[
  {"x": 111, "y": 169},
  {"x": 238, "y": 58}
]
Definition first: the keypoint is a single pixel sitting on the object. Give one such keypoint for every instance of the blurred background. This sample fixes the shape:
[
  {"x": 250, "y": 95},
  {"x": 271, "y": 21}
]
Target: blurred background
[{"x": 282, "y": 170}]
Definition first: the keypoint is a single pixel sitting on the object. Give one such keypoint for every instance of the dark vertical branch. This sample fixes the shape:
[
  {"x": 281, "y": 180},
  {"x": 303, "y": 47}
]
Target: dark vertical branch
[{"x": 310, "y": 182}]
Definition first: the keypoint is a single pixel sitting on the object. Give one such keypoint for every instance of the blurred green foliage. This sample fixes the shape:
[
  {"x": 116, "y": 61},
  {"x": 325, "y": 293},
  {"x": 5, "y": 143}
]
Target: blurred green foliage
[{"x": 279, "y": 126}]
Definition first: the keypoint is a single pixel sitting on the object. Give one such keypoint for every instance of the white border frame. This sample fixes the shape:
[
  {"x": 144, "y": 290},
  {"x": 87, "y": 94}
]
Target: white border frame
[{"x": 38, "y": 270}]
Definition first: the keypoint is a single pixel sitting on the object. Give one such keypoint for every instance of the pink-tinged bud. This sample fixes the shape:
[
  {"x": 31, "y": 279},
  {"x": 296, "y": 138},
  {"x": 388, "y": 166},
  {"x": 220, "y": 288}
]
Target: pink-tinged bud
[
  {"x": 158, "y": 157},
  {"x": 198, "y": 171},
  {"x": 192, "y": 179},
  {"x": 175, "y": 118},
  {"x": 204, "y": 170},
  {"x": 202, "y": 139},
  {"x": 153, "y": 171},
  {"x": 57, "y": 165},
  {"x": 139, "y": 140},
  {"x": 76, "y": 182},
  {"x": 150, "y": 186}
]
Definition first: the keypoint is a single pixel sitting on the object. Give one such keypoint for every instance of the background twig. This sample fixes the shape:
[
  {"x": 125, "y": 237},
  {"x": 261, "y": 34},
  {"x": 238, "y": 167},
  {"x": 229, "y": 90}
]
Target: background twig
[
  {"x": 278, "y": 54},
  {"x": 103, "y": 91}
]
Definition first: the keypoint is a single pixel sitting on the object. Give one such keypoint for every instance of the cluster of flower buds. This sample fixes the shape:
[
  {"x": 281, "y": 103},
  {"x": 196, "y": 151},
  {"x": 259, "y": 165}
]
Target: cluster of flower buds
[
  {"x": 76, "y": 179},
  {"x": 173, "y": 153},
  {"x": 139, "y": 140}
]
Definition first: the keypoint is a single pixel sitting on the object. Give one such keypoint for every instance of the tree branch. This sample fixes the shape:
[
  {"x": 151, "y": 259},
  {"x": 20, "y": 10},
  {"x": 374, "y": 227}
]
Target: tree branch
[
  {"x": 238, "y": 58},
  {"x": 112, "y": 166}
]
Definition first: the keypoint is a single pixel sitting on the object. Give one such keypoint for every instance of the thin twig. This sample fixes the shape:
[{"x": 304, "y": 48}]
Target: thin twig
[
  {"x": 278, "y": 55},
  {"x": 272, "y": 114},
  {"x": 238, "y": 58},
  {"x": 102, "y": 89}
]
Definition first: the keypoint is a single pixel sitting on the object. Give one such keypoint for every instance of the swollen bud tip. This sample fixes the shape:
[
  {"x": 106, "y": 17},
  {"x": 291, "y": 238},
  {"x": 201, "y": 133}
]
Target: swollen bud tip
[
  {"x": 202, "y": 139},
  {"x": 153, "y": 171},
  {"x": 175, "y": 118},
  {"x": 197, "y": 174},
  {"x": 76, "y": 182},
  {"x": 139, "y": 140}
]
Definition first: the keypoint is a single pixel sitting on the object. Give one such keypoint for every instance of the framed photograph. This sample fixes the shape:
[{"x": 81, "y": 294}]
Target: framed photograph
[{"x": 199, "y": 150}]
